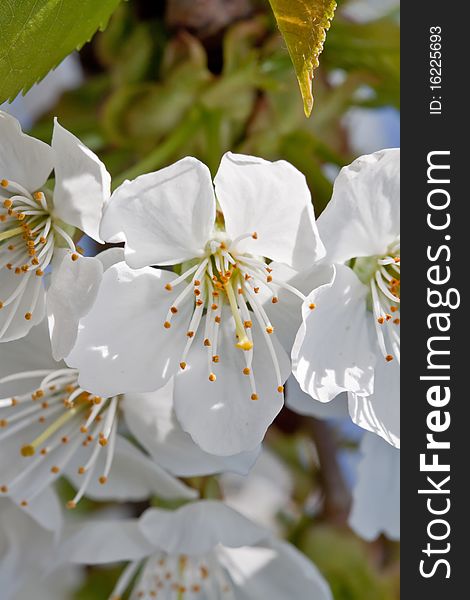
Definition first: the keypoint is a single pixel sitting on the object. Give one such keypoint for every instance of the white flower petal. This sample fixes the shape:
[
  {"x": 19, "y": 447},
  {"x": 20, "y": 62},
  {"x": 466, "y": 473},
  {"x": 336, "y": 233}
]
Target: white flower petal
[
  {"x": 73, "y": 289},
  {"x": 110, "y": 257},
  {"x": 276, "y": 571},
  {"x": 82, "y": 183},
  {"x": 46, "y": 510},
  {"x": 57, "y": 585},
  {"x": 30, "y": 353},
  {"x": 23, "y": 159},
  {"x": 304, "y": 404},
  {"x": 272, "y": 199},
  {"x": 12, "y": 463},
  {"x": 104, "y": 541},
  {"x": 363, "y": 216},
  {"x": 72, "y": 293},
  {"x": 261, "y": 495},
  {"x": 197, "y": 528},
  {"x": 133, "y": 476},
  {"x": 33, "y": 487},
  {"x": 380, "y": 412},
  {"x": 333, "y": 349},
  {"x": 152, "y": 420},
  {"x": 220, "y": 415},
  {"x": 122, "y": 345},
  {"x": 25, "y": 548},
  {"x": 13, "y": 324},
  {"x": 165, "y": 217},
  {"x": 286, "y": 314},
  {"x": 376, "y": 497}
]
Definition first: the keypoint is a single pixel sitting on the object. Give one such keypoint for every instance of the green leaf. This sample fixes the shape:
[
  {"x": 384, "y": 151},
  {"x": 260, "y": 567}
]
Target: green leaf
[
  {"x": 303, "y": 24},
  {"x": 38, "y": 34}
]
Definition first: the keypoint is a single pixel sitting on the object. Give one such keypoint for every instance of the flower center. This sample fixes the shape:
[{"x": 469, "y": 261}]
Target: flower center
[
  {"x": 28, "y": 236},
  {"x": 382, "y": 275},
  {"x": 176, "y": 578},
  {"x": 226, "y": 282},
  {"x": 68, "y": 417}
]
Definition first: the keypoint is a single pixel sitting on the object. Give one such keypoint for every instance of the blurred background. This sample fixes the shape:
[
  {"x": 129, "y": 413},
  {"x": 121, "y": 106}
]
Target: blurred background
[{"x": 200, "y": 77}]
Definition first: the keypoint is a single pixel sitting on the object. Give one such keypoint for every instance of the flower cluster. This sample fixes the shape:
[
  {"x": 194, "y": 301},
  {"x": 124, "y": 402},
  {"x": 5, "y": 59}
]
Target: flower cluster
[{"x": 170, "y": 354}]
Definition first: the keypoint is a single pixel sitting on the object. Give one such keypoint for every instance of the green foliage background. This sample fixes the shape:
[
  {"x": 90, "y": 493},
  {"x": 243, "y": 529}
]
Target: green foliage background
[{"x": 154, "y": 95}]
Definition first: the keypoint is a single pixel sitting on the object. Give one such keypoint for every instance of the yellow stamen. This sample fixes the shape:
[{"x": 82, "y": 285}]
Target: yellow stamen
[
  {"x": 10, "y": 233},
  {"x": 244, "y": 342},
  {"x": 30, "y": 449}
]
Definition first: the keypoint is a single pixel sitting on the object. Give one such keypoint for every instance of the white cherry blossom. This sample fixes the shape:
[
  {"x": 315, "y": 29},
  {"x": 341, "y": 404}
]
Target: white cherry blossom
[
  {"x": 349, "y": 339},
  {"x": 201, "y": 551},
  {"x": 208, "y": 323},
  {"x": 37, "y": 225},
  {"x": 51, "y": 427}
]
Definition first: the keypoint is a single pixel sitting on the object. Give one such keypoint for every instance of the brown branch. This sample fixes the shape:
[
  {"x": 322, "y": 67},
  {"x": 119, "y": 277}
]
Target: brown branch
[{"x": 337, "y": 501}]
